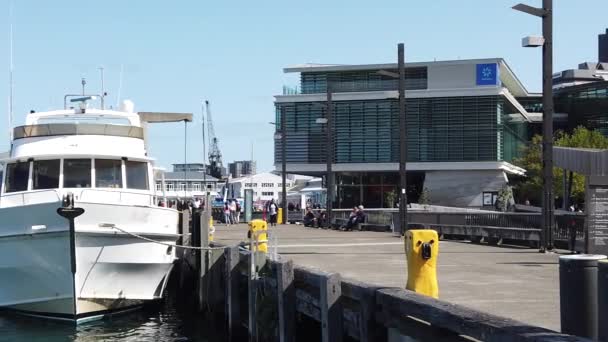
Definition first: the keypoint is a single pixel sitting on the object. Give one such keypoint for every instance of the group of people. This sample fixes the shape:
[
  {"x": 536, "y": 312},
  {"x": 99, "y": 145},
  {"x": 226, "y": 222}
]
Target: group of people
[
  {"x": 232, "y": 212},
  {"x": 319, "y": 219},
  {"x": 181, "y": 204},
  {"x": 357, "y": 215}
]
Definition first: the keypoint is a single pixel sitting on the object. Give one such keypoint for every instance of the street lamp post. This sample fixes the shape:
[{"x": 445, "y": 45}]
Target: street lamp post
[
  {"x": 283, "y": 136},
  {"x": 330, "y": 153},
  {"x": 402, "y": 135},
  {"x": 284, "y": 164},
  {"x": 402, "y": 141},
  {"x": 548, "y": 212}
]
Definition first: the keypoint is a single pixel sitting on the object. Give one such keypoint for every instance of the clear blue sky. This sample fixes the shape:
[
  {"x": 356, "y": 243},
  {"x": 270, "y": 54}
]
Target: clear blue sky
[{"x": 178, "y": 53}]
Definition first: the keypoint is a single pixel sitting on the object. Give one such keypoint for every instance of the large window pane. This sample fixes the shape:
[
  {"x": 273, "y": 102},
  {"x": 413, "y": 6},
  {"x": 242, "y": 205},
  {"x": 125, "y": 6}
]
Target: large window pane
[
  {"x": 45, "y": 174},
  {"x": 137, "y": 175},
  {"x": 108, "y": 173},
  {"x": 77, "y": 173},
  {"x": 349, "y": 196},
  {"x": 17, "y": 175},
  {"x": 372, "y": 196}
]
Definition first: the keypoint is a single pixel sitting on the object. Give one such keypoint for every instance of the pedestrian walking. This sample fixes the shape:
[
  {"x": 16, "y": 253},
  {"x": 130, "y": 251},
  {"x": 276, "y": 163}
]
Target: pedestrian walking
[
  {"x": 227, "y": 213},
  {"x": 272, "y": 212},
  {"x": 238, "y": 212},
  {"x": 233, "y": 211}
]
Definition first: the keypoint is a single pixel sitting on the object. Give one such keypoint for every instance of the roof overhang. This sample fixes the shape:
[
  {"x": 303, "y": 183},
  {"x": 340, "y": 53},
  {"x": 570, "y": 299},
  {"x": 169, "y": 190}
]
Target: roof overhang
[
  {"x": 586, "y": 161},
  {"x": 158, "y": 117},
  {"x": 393, "y": 94},
  {"x": 507, "y": 76},
  {"x": 411, "y": 166}
]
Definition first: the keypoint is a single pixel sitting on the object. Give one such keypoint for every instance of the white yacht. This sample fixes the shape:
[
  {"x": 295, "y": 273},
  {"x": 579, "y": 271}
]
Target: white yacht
[{"x": 100, "y": 158}]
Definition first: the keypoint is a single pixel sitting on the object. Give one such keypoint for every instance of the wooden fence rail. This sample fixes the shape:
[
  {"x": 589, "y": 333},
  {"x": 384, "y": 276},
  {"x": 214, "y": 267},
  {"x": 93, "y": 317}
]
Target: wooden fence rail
[{"x": 292, "y": 295}]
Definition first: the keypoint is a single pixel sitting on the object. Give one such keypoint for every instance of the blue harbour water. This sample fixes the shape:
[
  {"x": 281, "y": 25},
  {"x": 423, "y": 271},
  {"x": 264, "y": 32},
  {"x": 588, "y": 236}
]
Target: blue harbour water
[{"x": 163, "y": 322}]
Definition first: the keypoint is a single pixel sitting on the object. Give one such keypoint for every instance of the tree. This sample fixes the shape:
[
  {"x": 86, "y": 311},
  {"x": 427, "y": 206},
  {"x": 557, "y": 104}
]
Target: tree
[
  {"x": 531, "y": 186},
  {"x": 505, "y": 198},
  {"x": 425, "y": 197},
  {"x": 390, "y": 197}
]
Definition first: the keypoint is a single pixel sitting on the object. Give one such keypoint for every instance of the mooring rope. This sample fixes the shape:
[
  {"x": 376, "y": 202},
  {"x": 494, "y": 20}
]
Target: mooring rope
[{"x": 168, "y": 244}]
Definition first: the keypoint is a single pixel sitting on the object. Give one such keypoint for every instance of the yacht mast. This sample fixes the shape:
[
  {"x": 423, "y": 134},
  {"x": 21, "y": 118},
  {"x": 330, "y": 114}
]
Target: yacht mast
[{"x": 10, "y": 76}]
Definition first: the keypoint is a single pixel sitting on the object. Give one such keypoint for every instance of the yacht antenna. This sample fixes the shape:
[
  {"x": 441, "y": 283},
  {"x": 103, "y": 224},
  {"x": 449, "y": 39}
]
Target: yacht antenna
[
  {"x": 119, "y": 85},
  {"x": 10, "y": 76},
  {"x": 204, "y": 150},
  {"x": 103, "y": 93},
  {"x": 185, "y": 160},
  {"x": 83, "y": 82}
]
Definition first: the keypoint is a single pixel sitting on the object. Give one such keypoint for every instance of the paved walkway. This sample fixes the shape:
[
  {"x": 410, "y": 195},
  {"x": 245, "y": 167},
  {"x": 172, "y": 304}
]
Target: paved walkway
[{"x": 518, "y": 283}]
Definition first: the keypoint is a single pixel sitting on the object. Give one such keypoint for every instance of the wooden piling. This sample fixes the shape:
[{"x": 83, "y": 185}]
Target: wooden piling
[
  {"x": 251, "y": 293},
  {"x": 231, "y": 294},
  {"x": 331, "y": 312},
  {"x": 286, "y": 294}
]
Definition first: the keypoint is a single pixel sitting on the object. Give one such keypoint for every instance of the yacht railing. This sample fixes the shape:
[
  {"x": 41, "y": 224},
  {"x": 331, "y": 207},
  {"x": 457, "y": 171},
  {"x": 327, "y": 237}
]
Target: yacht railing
[
  {"x": 29, "y": 198},
  {"x": 93, "y": 195}
]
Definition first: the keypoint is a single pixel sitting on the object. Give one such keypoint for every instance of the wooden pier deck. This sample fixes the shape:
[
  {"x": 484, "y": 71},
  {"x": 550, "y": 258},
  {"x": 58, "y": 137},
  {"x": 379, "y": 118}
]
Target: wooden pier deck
[{"x": 513, "y": 282}]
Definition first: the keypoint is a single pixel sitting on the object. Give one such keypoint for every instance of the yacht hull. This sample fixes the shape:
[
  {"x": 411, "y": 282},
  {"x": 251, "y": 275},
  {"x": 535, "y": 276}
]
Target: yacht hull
[{"x": 114, "y": 271}]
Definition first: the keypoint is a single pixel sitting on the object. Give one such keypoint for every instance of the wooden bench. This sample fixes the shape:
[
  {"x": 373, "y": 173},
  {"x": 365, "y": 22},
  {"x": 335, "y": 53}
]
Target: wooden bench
[{"x": 374, "y": 227}]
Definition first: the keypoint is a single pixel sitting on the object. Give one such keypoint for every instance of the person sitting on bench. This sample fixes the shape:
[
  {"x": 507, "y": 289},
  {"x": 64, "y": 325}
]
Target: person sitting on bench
[
  {"x": 361, "y": 217},
  {"x": 352, "y": 219},
  {"x": 310, "y": 219}
]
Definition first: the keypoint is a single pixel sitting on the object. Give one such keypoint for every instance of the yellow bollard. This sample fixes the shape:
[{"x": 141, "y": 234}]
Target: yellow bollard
[
  {"x": 211, "y": 229},
  {"x": 258, "y": 230},
  {"x": 421, "y": 250},
  {"x": 280, "y": 216}
]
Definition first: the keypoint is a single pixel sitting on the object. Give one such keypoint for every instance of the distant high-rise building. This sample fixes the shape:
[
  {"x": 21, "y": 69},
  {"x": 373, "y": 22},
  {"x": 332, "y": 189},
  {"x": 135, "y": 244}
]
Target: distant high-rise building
[
  {"x": 603, "y": 47},
  {"x": 241, "y": 168}
]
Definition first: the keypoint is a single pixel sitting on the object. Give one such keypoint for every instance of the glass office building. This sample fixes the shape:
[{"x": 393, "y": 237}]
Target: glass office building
[{"x": 464, "y": 127}]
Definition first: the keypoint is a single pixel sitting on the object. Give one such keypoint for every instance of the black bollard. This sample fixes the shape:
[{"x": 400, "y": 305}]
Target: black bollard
[
  {"x": 602, "y": 299},
  {"x": 578, "y": 294}
]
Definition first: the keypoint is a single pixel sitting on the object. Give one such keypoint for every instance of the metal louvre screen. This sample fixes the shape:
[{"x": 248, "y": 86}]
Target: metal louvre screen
[
  {"x": 453, "y": 129},
  {"x": 367, "y": 80}
]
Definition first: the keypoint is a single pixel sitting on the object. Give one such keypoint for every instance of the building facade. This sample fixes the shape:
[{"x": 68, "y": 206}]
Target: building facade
[
  {"x": 186, "y": 182},
  {"x": 265, "y": 186},
  {"x": 603, "y": 47},
  {"x": 242, "y": 168},
  {"x": 464, "y": 128}
]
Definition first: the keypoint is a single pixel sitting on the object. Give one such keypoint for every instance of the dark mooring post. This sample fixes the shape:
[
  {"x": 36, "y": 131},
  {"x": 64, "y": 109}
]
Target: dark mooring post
[
  {"x": 578, "y": 291},
  {"x": 602, "y": 299},
  {"x": 69, "y": 212}
]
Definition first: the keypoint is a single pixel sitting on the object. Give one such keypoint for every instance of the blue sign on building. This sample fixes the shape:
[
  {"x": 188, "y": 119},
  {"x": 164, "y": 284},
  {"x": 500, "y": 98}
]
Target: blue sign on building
[{"x": 487, "y": 74}]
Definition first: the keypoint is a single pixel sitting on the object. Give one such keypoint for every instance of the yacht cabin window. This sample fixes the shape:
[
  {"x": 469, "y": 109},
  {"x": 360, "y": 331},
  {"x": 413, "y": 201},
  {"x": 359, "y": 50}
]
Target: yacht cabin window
[
  {"x": 17, "y": 175},
  {"x": 108, "y": 173},
  {"x": 45, "y": 174},
  {"x": 77, "y": 173},
  {"x": 137, "y": 175}
]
